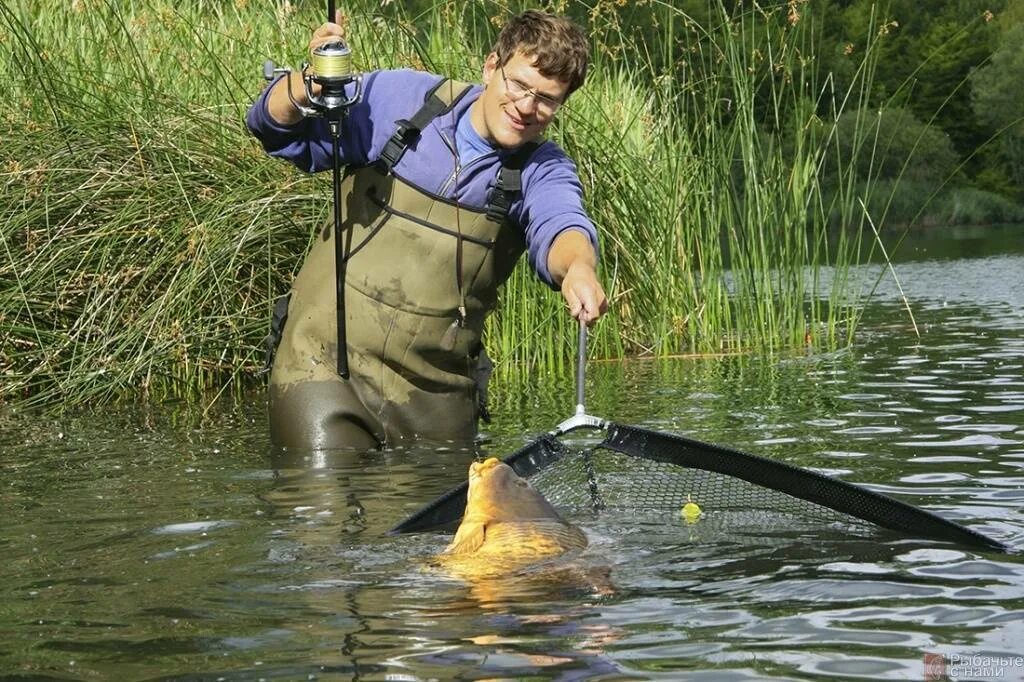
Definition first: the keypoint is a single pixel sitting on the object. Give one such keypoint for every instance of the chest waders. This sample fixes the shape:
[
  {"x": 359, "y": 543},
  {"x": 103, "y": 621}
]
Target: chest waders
[{"x": 421, "y": 273}]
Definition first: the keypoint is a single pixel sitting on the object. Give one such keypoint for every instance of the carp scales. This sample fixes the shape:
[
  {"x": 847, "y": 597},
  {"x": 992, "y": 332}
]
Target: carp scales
[{"x": 507, "y": 524}]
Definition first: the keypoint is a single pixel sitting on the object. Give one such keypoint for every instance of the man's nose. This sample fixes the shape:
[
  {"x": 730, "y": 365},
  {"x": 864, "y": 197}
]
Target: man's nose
[{"x": 526, "y": 104}]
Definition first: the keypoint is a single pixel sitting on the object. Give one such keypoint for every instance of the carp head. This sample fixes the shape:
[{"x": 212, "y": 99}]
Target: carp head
[{"x": 497, "y": 495}]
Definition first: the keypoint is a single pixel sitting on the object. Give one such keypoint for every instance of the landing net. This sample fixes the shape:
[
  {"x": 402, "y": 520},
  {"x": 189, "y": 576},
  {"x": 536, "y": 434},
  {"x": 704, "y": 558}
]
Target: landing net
[{"x": 639, "y": 471}]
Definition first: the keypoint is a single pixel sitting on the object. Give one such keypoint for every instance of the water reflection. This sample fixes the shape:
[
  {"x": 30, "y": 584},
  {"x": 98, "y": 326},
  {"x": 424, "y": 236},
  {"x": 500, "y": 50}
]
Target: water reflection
[{"x": 162, "y": 543}]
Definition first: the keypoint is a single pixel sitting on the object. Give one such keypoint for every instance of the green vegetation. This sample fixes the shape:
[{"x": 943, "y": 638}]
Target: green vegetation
[
  {"x": 144, "y": 235},
  {"x": 946, "y": 105}
]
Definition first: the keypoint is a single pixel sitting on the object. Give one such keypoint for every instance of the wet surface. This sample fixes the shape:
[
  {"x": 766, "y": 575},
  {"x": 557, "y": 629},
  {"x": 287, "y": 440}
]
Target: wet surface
[{"x": 161, "y": 544}]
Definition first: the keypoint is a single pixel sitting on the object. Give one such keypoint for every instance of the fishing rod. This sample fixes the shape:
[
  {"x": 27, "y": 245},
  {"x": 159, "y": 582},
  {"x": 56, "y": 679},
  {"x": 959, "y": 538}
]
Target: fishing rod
[{"x": 330, "y": 68}]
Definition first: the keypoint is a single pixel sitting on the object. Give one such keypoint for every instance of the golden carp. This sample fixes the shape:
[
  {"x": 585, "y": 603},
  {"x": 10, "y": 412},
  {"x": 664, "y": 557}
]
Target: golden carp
[{"x": 507, "y": 524}]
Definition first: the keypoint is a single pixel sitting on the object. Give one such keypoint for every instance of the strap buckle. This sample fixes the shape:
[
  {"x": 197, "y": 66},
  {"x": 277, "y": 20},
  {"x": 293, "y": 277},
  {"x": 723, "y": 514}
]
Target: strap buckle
[{"x": 396, "y": 145}]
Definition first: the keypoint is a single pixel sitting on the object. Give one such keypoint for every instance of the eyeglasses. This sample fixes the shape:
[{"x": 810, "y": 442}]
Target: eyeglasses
[{"x": 517, "y": 91}]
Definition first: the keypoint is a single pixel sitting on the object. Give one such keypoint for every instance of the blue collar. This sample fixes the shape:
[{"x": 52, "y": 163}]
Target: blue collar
[{"x": 468, "y": 141}]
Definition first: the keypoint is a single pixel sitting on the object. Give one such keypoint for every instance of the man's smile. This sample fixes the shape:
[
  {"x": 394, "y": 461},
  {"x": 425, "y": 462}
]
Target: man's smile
[{"x": 516, "y": 122}]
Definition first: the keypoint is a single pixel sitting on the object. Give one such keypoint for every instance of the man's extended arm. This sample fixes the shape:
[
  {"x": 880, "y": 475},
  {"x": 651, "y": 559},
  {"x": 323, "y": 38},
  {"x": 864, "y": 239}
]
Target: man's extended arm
[{"x": 572, "y": 264}]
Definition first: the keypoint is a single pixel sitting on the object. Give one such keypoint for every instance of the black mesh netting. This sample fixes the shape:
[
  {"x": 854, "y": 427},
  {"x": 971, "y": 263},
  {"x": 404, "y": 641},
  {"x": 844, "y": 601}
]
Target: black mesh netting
[
  {"x": 603, "y": 479},
  {"x": 639, "y": 471}
]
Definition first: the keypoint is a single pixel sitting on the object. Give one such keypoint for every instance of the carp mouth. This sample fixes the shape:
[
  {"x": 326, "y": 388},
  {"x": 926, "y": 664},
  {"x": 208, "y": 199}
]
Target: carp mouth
[
  {"x": 494, "y": 475},
  {"x": 497, "y": 493},
  {"x": 478, "y": 470}
]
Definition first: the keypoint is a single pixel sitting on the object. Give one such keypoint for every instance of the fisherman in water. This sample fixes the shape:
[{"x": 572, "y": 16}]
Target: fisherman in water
[{"x": 446, "y": 185}]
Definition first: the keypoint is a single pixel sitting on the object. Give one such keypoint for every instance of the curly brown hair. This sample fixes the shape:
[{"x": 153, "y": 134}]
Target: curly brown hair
[{"x": 559, "y": 47}]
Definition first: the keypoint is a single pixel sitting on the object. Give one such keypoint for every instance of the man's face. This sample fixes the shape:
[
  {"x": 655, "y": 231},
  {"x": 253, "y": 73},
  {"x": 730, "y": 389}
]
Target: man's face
[{"x": 517, "y": 103}]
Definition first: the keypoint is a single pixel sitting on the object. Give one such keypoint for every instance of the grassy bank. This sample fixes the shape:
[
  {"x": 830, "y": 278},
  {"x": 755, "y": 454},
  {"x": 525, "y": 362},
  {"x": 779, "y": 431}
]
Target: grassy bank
[{"x": 144, "y": 235}]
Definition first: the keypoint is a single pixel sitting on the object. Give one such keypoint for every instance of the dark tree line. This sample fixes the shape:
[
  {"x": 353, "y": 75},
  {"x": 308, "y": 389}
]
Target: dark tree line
[
  {"x": 956, "y": 65},
  {"x": 946, "y": 89}
]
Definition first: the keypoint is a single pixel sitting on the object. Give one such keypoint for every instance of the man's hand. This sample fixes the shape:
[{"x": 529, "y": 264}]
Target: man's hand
[
  {"x": 583, "y": 293},
  {"x": 572, "y": 262},
  {"x": 329, "y": 32},
  {"x": 279, "y": 105}
]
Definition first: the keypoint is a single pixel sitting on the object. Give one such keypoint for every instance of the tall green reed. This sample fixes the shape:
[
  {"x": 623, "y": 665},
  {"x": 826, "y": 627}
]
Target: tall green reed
[
  {"x": 145, "y": 235},
  {"x": 142, "y": 232}
]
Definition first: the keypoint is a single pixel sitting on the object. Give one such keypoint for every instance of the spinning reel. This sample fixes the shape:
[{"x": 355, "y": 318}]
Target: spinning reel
[{"x": 331, "y": 69}]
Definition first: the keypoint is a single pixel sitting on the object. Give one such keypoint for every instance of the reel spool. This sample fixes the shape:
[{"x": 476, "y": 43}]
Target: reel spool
[{"x": 331, "y": 69}]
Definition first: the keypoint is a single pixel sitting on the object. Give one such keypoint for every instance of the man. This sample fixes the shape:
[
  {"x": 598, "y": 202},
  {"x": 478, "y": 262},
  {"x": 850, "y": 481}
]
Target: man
[{"x": 446, "y": 185}]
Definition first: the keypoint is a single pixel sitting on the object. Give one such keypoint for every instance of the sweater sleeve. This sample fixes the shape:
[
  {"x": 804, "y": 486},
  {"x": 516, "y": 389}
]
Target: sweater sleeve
[
  {"x": 386, "y": 96},
  {"x": 552, "y": 203}
]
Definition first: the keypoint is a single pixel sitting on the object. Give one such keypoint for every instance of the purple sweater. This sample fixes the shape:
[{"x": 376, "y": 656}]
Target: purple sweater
[{"x": 552, "y": 197}]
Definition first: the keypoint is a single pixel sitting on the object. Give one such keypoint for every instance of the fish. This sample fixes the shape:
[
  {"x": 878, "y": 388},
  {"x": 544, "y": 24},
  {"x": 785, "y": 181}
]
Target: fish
[{"x": 508, "y": 524}]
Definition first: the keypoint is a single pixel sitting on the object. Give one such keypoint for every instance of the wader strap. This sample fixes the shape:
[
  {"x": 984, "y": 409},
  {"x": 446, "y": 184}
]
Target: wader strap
[
  {"x": 509, "y": 182},
  {"x": 440, "y": 100},
  {"x": 273, "y": 339},
  {"x": 506, "y": 187}
]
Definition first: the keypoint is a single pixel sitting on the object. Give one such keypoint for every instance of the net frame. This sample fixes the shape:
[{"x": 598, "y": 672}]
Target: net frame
[
  {"x": 812, "y": 491},
  {"x": 793, "y": 489}
]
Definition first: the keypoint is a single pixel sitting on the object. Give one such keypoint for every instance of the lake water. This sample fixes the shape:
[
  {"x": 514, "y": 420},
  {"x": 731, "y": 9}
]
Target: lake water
[{"x": 158, "y": 544}]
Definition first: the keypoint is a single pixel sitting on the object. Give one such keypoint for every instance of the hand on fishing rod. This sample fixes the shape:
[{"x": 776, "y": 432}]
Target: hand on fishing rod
[
  {"x": 330, "y": 32},
  {"x": 572, "y": 263},
  {"x": 279, "y": 105}
]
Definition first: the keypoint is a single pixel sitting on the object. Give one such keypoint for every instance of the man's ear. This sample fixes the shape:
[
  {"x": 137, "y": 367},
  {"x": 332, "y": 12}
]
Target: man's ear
[{"x": 490, "y": 67}]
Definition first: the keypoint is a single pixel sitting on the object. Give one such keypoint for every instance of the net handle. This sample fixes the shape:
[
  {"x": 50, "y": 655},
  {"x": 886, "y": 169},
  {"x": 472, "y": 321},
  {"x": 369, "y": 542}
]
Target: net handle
[
  {"x": 580, "y": 420},
  {"x": 581, "y": 366}
]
